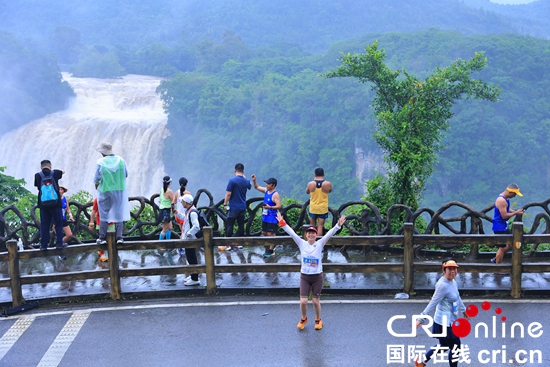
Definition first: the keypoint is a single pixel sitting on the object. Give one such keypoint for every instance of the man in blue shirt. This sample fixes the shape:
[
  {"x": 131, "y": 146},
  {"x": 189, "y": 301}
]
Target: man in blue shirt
[{"x": 235, "y": 201}]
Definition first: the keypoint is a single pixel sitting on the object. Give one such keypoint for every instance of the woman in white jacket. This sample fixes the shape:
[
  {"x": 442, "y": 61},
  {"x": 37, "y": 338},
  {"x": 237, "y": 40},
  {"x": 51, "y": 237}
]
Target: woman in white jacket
[
  {"x": 190, "y": 228},
  {"x": 311, "y": 278},
  {"x": 448, "y": 306}
]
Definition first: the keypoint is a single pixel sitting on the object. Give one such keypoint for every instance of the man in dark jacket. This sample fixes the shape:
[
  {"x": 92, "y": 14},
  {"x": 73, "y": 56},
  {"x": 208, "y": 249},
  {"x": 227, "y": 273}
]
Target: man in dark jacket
[{"x": 49, "y": 214}]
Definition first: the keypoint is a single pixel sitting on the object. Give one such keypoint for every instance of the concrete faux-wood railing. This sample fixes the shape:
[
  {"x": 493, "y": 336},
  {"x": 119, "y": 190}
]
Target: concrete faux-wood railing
[{"x": 408, "y": 267}]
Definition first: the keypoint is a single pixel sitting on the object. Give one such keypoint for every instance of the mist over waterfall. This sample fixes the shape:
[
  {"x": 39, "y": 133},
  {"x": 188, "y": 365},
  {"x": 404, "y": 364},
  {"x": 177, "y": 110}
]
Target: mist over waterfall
[{"x": 125, "y": 112}]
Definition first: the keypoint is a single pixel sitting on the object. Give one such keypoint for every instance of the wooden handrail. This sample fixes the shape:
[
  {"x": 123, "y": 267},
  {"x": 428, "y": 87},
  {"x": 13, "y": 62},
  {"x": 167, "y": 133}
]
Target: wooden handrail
[{"x": 409, "y": 267}]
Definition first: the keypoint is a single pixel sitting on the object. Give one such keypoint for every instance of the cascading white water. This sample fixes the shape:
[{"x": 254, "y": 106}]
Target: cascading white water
[{"x": 124, "y": 112}]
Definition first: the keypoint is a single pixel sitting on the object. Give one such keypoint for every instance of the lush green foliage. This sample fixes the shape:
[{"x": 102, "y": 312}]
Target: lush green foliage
[
  {"x": 97, "y": 65},
  {"x": 224, "y": 118},
  {"x": 412, "y": 114},
  {"x": 252, "y": 96},
  {"x": 31, "y": 84},
  {"x": 13, "y": 192},
  {"x": 11, "y": 189},
  {"x": 160, "y": 38},
  {"x": 275, "y": 116}
]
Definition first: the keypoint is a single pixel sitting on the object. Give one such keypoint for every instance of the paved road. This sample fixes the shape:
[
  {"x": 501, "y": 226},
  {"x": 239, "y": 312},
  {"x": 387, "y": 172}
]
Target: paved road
[{"x": 255, "y": 331}]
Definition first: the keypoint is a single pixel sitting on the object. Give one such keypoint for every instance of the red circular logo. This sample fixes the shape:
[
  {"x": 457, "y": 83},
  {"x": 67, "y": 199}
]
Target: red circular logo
[{"x": 461, "y": 327}]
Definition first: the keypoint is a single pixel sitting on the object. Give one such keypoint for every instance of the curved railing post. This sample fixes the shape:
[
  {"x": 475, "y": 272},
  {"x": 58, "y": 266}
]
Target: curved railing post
[
  {"x": 116, "y": 292},
  {"x": 517, "y": 254},
  {"x": 408, "y": 258},
  {"x": 15, "y": 274},
  {"x": 208, "y": 235}
]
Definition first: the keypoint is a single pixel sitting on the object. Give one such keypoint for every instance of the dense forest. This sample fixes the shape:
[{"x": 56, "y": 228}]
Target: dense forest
[
  {"x": 528, "y": 19},
  {"x": 283, "y": 119},
  {"x": 31, "y": 84},
  {"x": 243, "y": 83},
  {"x": 108, "y": 39}
]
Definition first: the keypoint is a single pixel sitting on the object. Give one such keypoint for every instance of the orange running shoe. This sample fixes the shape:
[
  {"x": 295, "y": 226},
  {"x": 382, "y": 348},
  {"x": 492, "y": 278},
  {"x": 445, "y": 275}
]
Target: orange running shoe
[
  {"x": 417, "y": 363},
  {"x": 318, "y": 324},
  {"x": 302, "y": 324}
]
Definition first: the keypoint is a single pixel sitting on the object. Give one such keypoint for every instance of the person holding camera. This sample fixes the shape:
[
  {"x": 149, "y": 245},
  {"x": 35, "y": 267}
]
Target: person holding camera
[
  {"x": 272, "y": 203},
  {"x": 500, "y": 218}
]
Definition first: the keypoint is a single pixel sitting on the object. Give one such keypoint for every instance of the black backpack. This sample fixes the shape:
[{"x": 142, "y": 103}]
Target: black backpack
[{"x": 203, "y": 221}]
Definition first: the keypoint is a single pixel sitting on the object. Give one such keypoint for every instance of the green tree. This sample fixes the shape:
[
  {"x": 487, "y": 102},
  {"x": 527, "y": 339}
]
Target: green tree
[
  {"x": 13, "y": 192},
  {"x": 11, "y": 189},
  {"x": 31, "y": 84},
  {"x": 66, "y": 42},
  {"x": 94, "y": 64},
  {"x": 412, "y": 115}
]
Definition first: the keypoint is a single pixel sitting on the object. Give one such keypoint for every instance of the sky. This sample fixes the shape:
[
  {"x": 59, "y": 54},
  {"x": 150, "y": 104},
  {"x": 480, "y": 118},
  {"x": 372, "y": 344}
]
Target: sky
[{"x": 512, "y": 1}]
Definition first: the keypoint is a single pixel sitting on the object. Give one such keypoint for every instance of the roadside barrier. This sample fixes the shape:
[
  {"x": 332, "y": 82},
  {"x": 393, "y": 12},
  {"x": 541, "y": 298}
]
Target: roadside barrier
[{"x": 409, "y": 241}]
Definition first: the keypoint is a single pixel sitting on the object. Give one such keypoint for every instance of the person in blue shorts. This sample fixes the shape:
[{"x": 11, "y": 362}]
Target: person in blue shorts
[
  {"x": 500, "y": 218},
  {"x": 272, "y": 203}
]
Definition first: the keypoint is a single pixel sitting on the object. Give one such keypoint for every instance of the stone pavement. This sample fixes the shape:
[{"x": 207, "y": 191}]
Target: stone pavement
[{"x": 249, "y": 283}]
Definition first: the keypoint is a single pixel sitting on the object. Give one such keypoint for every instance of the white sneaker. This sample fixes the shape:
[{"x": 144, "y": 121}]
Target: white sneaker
[
  {"x": 188, "y": 278},
  {"x": 192, "y": 282},
  {"x": 120, "y": 241},
  {"x": 101, "y": 242}
]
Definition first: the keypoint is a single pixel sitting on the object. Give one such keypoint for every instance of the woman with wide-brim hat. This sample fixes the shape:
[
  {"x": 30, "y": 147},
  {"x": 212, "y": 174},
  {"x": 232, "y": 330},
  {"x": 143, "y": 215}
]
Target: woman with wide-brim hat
[{"x": 65, "y": 212}]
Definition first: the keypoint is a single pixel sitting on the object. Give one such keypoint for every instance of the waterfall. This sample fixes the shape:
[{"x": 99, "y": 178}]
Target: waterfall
[{"x": 124, "y": 112}]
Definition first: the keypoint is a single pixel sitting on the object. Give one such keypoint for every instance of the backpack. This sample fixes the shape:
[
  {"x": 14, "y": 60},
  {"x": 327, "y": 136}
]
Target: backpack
[
  {"x": 203, "y": 221},
  {"x": 24, "y": 307},
  {"x": 48, "y": 190}
]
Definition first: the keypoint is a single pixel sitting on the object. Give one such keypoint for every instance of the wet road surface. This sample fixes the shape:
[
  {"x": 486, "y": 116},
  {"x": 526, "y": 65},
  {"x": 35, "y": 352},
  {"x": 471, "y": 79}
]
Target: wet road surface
[{"x": 253, "y": 331}]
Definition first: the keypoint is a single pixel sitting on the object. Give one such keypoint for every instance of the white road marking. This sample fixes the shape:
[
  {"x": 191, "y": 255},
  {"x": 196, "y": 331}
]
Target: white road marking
[
  {"x": 14, "y": 333},
  {"x": 63, "y": 341}
]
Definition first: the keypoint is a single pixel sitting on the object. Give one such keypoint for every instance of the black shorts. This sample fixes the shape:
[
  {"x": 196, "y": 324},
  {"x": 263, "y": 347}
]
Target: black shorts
[
  {"x": 507, "y": 231},
  {"x": 65, "y": 223},
  {"x": 269, "y": 227},
  {"x": 164, "y": 216},
  {"x": 313, "y": 282}
]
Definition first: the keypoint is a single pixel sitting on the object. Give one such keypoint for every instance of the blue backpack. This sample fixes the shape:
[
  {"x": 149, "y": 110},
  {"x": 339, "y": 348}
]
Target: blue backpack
[{"x": 48, "y": 190}]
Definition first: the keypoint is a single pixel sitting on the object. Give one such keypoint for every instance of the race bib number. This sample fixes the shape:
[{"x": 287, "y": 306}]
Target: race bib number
[{"x": 311, "y": 262}]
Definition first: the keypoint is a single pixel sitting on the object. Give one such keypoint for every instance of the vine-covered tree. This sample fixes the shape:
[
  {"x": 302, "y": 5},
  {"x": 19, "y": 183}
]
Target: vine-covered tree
[{"x": 412, "y": 114}]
